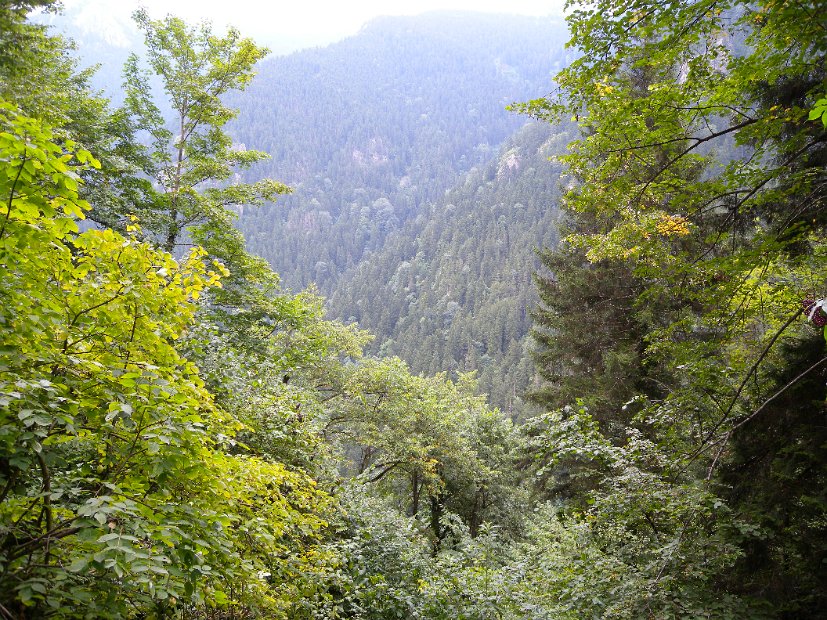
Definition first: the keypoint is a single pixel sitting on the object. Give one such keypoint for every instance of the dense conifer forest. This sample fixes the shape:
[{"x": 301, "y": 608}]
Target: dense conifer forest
[
  {"x": 627, "y": 423},
  {"x": 371, "y": 130},
  {"x": 455, "y": 282}
]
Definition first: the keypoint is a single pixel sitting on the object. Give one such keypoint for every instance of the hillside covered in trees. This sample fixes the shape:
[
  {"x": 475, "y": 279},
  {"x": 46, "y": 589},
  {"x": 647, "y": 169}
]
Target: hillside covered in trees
[
  {"x": 451, "y": 290},
  {"x": 351, "y": 216},
  {"x": 182, "y": 437},
  {"x": 371, "y": 130}
]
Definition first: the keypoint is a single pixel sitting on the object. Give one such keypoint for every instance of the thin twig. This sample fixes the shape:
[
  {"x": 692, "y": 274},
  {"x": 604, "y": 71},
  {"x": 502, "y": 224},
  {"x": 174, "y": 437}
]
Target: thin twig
[{"x": 11, "y": 194}]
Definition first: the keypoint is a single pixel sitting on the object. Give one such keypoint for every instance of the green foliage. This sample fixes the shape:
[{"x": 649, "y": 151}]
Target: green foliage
[
  {"x": 430, "y": 443},
  {"x": 377, "y": 560},
  {"x": 194, "y": 164},
  {"x": 385, "y": 568},
  {"x": 819, "y": 111},
  {"x": 641, "y": 545},
  {"x": 116, "y": 492},
  {"x": 21, "y": 43},
  {"x": 696, "y": 230},
  {"x": 180, "y": 438},
  {"x": 43, "y": 80},
  {"x": 267, "y": 372}
]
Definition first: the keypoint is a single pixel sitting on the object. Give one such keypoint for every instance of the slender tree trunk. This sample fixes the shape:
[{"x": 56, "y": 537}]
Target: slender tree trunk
[
  {"x": 473, "y": 519},
  {"x": 437, "y": 510},
  {"x": 174, "y": 228},
  {"x": 416, "y": 488},
  {"x": 367, "y": 454}
]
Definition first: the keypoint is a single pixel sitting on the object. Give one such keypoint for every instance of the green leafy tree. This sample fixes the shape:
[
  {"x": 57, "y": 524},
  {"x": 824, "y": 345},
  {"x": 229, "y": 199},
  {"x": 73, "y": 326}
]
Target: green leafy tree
[
  {"x": 428, "y": 442},
  {"x": 22, "y": 41},
  {"x": 41, "y": 75},
  {"x": 116, "y": 495},
  {"x": 195, "y": 162},
  {"x": 705, "y": 187}
]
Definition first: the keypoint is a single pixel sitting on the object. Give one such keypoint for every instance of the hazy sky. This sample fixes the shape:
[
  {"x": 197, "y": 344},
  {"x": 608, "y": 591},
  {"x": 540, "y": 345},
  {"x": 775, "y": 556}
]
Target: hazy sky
[{"x": 287, "y": 24}]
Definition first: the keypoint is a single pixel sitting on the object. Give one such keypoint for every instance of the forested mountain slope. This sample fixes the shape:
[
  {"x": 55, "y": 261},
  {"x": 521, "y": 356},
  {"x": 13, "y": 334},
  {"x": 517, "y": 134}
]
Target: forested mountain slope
[
  {"x": 370, "y": 130},
  {"x": 182, "y": 438},
  {"x": 451, "y": 290},
  {"x": 392, "y": 141}
]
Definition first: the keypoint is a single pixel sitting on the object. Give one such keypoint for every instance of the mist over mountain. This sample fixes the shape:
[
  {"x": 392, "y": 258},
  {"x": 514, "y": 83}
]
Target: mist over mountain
[
  {"x": 418, "y": 197},
  {"x": 418, "y": 200},
  {"x": 105, "y": 32},
  {"x": 103, "y": 36}
]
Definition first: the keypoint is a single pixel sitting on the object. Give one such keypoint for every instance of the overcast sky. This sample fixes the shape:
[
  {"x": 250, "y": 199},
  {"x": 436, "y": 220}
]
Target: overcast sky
[{"x": 288, "y": 24}]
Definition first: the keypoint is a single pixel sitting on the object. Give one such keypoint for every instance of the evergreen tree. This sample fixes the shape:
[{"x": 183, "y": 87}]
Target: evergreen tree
[{"x": 697, "y": 214}]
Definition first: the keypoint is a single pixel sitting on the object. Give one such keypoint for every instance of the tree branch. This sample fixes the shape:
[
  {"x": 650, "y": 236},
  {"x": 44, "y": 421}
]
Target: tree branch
[{"x": 11, "y": 194}]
